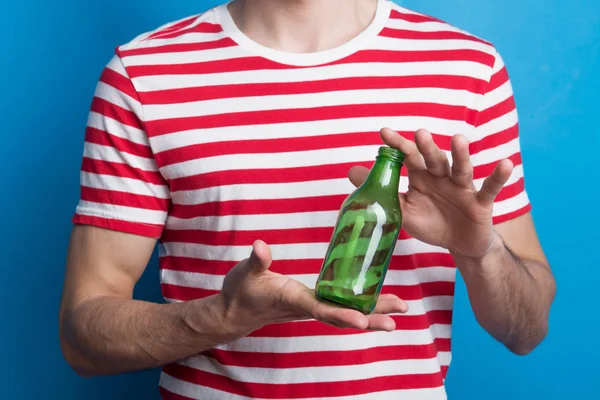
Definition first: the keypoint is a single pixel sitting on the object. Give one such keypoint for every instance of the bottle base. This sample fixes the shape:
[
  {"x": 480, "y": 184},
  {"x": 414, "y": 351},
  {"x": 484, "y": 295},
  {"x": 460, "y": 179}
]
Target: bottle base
[{"x": 363, "y": 303}]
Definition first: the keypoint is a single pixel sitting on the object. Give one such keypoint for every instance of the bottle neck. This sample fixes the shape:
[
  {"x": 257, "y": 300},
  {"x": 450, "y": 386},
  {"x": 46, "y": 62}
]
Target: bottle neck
[{"x": 385, "y": 175}]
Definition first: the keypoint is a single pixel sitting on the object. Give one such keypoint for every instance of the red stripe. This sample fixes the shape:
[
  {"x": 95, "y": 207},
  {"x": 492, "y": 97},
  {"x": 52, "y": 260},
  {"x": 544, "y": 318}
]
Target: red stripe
[
  {"x": 494, "y": 140},
  {"x": 259, "y": 63},
  {"x": 425, "y": 35},
  {"x": 119, "y": 82},
  {"x": 304, "y": 390},
  {"x": 166, "y": 395},
  {"x": 204, "y": 27},
  {"x": 448, "y": 112},
  {"x": 409, "y": 293},
  {"x": 135, "y": 228},
  {"x": 120, "y": 170},
  {"x": 285, "y": 175},
  {"x": 302, "y": 266},
  {"x": 485, "y": 170},
  {"x": 173, "y": 27},
  {"x": 179, "y": 47},
  {"x": 512, "y": 215},
  {"x": 496, "y": 111},
  {"x": 97, "y": 136},
  {"x": 322, "y": 358},
  {"x": 116, "y": 112},
  {"x": 442, "y": 344},
  {"x": 258, "y": 176},
  {"x": 512, "y": 190},
  {"x": 395, "y": 56},
  {"x": 395, "y": 14},
  {"x": 444, "y": 371},
  {"x": 278, "y": 145},
  {"x": 316, "y": 328},
  {"x": 247, "y": 237},
  {"x": 183, "y": 95},
  {"x": 124, "y": 199},
  {"x": 252, "y": 207},
  {"x": 498, "y": 79}
]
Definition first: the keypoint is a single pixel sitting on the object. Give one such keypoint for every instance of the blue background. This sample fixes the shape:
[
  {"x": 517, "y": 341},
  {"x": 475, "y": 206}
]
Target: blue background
[{"x": 52, "y": 55}]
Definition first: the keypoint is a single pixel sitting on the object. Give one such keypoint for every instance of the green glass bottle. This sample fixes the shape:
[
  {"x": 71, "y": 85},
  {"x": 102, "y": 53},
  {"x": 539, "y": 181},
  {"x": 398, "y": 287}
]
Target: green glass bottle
[{"x": 364, "y": 238}]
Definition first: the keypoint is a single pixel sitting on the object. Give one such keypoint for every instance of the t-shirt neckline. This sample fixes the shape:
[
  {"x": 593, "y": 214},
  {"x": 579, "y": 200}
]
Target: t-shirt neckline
[{"x": 305, "y": 59}]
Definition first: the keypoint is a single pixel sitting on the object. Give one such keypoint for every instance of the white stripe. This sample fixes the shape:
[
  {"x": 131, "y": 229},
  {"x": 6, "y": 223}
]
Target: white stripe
[
  {"x": 279, "y": 251},
  {"x": 444, "y": 357},
  {"x": 127, "y": 185},
  {"x": 193, "y": 391},
  {"x": 256, "y": 222},
  {"x": 200, "y": 392},
  {"x": 310, "y": 158},
  {"x": 187, "y": 57},
  {"x": 496, "y": 96},
  {"x": 340, "y": 373},
  {"x": 377, "y": 69},
  {"x": 393, "y": 277},
  {"x": 118, "y": 98},
  {"x": 498, "y": 64},
  {"x": 496, "y": 153},
  {"x": 349, "y": 342},
  {"x": 116, "y": 65},
  {"x": 379, "y": 43},
  {"x": 307, "y": 129},
  {"x": 289, "y": 159},
  {"x": 116, "y": 128},
  {"x": 111, "y": 154},
  {"x": 514, "y": 177},
  {"x": 429, "y": 26},
  {"x": 191, "y": 37},
  {"x": 494, "y": 126},
  {"x": 275, "y": 221},
  {"x": 511, "y": 204},
  {"x": 265, "y": 191},
  {"x": 400, "y": 44},
  {"x": 286, "y": 190},
  {"x": 111, "y": 211},
  {"x": 271, "y": 103}
]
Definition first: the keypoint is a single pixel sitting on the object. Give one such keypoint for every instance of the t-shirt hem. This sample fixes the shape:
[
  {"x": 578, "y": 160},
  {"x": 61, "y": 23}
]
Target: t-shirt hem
[{"x": 119, "y": 225}]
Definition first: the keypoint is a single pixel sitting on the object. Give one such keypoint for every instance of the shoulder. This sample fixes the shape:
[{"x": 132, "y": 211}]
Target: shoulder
[
  {"x": 193, "y": 29},
  {"x": 438, "y": 34}
]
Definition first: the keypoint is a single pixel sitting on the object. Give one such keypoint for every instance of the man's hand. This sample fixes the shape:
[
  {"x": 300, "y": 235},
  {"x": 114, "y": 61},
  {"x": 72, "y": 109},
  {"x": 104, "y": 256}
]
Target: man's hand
[
  {"x": 253, "y": 297},
  {"x": 441, "y": 206},
  {"x": 104, "y": 331},
  {"x": 510, "y": 284}
]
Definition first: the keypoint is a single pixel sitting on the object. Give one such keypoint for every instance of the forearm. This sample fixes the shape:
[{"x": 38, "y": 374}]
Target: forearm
[
  {"x": 106, "y": 335},
  {"x": 510, "y": 296}
]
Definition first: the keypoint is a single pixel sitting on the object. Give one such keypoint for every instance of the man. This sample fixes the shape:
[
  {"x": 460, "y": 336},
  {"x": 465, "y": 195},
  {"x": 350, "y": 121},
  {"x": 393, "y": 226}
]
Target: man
[{"x": 229, "y": 135}]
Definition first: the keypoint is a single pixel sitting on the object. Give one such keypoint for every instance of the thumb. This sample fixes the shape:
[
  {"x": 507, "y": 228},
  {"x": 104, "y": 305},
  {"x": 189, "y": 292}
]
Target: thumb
[
  {"x": 260, "y": 259},
  {"x": 358, "y": 175}
]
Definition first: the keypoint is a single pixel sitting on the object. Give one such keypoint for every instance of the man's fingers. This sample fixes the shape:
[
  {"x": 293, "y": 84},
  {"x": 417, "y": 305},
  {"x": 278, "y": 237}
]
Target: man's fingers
[
  {"x": 358, "y": 175},
  {"x": 260, "y": 258},
  {"x": 305, "y": 302},
  {"x": 462, "y": 169},
  {"x": 435, "y": 159},
  {"x": 389, "y": 303},
  {"x": 493, "y": 184},
  {"x": 381, "y": 322},
  {"x": 412, "y": 158}
]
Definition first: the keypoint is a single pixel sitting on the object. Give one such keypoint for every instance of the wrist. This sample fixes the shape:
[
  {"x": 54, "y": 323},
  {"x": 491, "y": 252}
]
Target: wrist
[
  {"x": 482, "y": 265},
  {"x": 208, "y": 317}
]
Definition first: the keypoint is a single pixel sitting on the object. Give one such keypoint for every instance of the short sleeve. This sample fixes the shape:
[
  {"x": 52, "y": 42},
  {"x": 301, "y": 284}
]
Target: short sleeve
[
  {"x": 121, "y": 186},
  {"x": 496, "y": 137}
]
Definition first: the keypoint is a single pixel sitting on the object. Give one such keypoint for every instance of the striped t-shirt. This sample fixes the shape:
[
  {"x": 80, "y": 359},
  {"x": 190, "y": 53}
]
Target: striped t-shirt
[{"x": 205, "y": 139}]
